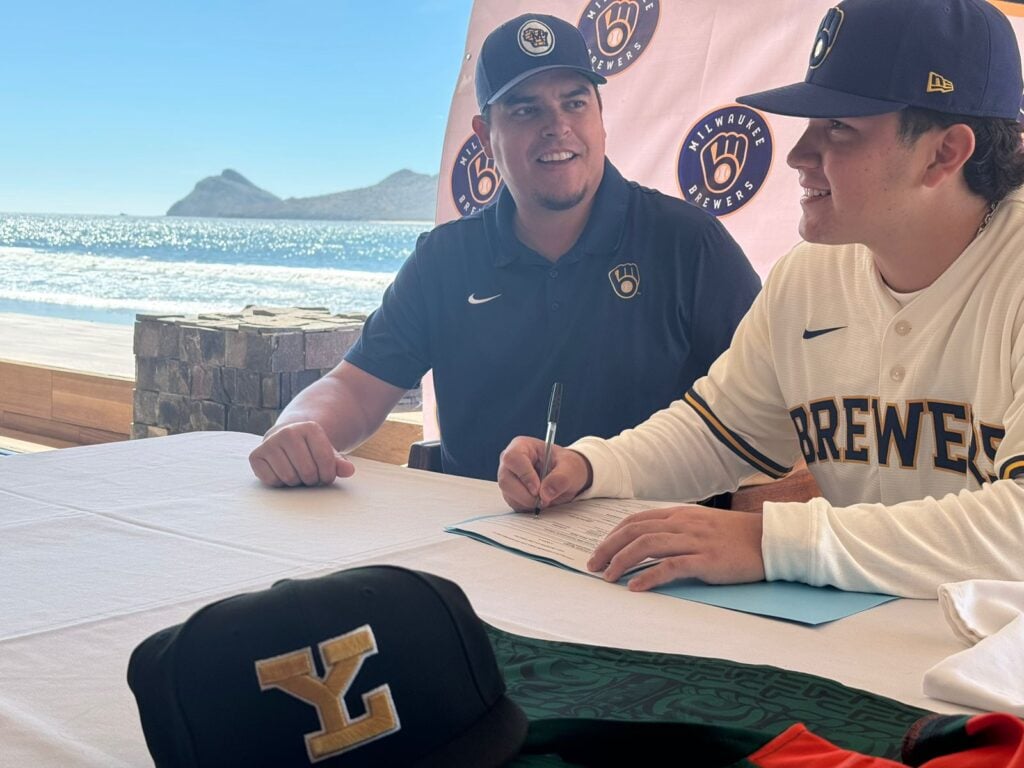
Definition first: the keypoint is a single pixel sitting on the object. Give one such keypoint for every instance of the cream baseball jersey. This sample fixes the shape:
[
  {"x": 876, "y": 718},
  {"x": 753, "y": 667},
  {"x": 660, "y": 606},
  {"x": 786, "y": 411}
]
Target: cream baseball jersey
[{"x": 911, "y": 419}]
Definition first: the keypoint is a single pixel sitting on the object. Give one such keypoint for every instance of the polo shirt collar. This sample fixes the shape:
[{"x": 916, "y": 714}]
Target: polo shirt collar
[{"x": 601, "y": 235}]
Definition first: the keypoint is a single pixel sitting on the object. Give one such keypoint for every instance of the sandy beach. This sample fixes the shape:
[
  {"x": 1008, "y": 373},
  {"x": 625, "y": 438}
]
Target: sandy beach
[{"x": 75, "y": 345}]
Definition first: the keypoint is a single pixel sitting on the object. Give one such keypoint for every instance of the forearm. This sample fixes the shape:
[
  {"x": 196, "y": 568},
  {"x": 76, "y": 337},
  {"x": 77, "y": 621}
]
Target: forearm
[
  {"x": 670, "y": 456},
  {"x": 906, "y": 549},
  {"x": 347, "y": 403}
]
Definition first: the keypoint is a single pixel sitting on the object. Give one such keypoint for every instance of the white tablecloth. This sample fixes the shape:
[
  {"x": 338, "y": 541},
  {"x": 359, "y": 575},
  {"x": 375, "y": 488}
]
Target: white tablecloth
[{"x": 103, "y": 545}]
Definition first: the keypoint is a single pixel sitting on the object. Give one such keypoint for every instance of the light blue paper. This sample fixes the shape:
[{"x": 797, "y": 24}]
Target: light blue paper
[
  {"x": 786, "y": 600},
  {"x": 778, "y": 599}
]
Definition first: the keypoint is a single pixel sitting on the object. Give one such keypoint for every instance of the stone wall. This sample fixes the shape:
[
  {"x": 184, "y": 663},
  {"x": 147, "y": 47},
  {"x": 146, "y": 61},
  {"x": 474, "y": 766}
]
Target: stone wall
[{"x": 234, "y": 371}]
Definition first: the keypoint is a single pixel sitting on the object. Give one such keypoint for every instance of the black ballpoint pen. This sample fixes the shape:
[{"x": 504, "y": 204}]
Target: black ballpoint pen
[{"x": 554, "y": 406}]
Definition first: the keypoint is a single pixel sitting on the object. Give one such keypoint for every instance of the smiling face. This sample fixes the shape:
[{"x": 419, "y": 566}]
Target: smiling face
[
  {"x": 547, "y": 137},
  {"x": 860, "y": 179}
]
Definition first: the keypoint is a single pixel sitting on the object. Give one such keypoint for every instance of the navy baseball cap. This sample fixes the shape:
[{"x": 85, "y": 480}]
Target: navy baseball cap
[
  {"x": 366, "y": 667},
  {"x": 870, "y": 57},
  {"x": 525, "y": 46}
]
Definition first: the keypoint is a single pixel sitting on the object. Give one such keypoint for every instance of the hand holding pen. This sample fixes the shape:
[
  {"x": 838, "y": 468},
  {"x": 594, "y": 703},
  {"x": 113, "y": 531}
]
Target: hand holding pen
[
  {"x": 518, "y": 475},
  {"x": 554, "y": 406}
]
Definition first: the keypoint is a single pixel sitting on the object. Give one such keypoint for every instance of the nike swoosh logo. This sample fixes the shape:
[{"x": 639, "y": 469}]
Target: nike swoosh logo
[
  {"x": 474, "y": 300},
  {"x": 809, "y": 334}
]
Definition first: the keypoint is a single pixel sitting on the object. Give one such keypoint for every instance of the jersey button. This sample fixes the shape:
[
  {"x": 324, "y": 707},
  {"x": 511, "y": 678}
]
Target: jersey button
[
  {"x": 553, "y": 273},
  {"x": 555, "y": 305},
  {"x": 897, "y": 373},
  {"x": 903, "y": 327}
]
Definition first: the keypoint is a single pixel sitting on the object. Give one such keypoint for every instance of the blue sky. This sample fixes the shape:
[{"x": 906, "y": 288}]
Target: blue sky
[{"x": 121, "y": 107}]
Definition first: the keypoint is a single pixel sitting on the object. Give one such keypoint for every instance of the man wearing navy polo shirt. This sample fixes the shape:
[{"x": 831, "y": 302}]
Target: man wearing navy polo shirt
[{"x": 575, "y": 275}]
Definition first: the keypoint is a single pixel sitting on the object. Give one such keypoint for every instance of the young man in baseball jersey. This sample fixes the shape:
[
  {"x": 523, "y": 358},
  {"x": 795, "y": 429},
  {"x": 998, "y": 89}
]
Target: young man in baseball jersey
[
  {"x": 575, "y": 275},
  {"x": 886, "y": 350}
]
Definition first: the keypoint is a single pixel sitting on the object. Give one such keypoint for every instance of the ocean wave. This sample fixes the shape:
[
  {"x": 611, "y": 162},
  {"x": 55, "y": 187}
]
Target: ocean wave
[
  {"x": 86, "y": 280},
  {"x": 361, "y": 245}
]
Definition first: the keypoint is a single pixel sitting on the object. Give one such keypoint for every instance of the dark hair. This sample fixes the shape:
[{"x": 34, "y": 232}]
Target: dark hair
[
  {"x": 997, "y": 166},
  {"x": 485, "y": 113}
]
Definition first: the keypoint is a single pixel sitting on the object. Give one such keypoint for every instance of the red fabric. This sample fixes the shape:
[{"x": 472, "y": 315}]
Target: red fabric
[
  {"x": 796, "y": 747},
  {"x": 993, "y": 740},
  {"x": 997, "y": 741}
]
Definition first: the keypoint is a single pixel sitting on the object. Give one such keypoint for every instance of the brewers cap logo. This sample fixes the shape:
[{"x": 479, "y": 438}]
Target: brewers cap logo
[
  {"x": 725, "y": 159},
  {"x": 475, "y": 179},
  {"x": 625, "y": 279},
  {"x": 536, "y": 38},
  {"x": 828, "y": 31},
  {"x": 617, "y": 32},
  {"x": 342, "y": 657}
]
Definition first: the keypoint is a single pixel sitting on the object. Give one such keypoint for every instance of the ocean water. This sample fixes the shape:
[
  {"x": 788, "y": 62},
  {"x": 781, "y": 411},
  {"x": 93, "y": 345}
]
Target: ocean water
[{"x": 108, "y": 268}]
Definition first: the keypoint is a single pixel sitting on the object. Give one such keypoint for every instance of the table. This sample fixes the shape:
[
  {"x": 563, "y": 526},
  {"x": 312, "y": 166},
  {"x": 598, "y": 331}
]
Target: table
[{"x": 101, "y": 546}]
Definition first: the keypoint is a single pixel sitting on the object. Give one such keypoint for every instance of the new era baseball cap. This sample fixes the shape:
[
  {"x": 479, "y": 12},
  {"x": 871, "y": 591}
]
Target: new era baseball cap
[
  {"x": 524, "y": 46},
  {"x": 365, "y": 667},
  {"x": 875, "y": 56}
]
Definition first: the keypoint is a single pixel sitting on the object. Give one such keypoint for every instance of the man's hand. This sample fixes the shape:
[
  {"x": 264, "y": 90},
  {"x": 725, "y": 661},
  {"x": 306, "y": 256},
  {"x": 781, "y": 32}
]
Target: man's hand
[
  {"x": 298, "y": 454},
  {"x": 713, "y": 545},
  {"x": 519, "y": 474}
]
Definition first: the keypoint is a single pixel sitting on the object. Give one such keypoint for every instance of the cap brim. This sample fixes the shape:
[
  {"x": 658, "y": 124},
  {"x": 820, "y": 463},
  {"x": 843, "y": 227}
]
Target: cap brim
[
  {"x": 587, "y": 73},
  {"x": 810, "y": 100}
]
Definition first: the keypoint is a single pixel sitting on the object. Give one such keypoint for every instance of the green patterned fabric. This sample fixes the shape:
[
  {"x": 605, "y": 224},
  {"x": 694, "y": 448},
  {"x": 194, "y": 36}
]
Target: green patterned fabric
[{"x": 559, "y": 680}]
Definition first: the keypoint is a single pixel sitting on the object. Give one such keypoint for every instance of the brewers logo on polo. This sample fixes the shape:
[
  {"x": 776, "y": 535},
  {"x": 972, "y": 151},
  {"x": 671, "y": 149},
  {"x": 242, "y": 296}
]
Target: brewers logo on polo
[
  {"x": 342, "y": 657},
  {"x": 618, "y": 32},
  {"x": 625, "y": 279},
  {"x": 725, "y": 159},
  {"x": 475, "y": 178}
]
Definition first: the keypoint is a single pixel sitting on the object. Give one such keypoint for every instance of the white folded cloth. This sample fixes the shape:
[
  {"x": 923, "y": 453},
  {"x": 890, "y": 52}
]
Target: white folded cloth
[{"x": 988, "y": 615}]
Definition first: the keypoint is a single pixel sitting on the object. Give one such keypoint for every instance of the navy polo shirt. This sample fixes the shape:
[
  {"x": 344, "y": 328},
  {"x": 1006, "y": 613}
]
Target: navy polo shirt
[{"x": 637, "y": 310}]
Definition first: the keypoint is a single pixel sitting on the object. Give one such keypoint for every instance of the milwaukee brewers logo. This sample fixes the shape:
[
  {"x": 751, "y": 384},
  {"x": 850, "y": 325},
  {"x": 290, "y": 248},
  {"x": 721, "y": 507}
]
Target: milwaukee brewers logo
[
  {"x": 475, "y": 179},
  {"x": 342, "y": 656},
  {"x": 724, "y": 159},
  {"x": 625, "y": 280},
  {"x": 617, "y": 32},
  {"x": 536, "y": 38},
  {"x": 828, "y": 31}
]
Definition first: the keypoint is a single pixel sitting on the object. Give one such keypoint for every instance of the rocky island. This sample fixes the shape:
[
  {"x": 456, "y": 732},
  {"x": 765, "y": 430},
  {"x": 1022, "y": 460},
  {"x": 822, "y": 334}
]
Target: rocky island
[{"x": 404, "y": 195}]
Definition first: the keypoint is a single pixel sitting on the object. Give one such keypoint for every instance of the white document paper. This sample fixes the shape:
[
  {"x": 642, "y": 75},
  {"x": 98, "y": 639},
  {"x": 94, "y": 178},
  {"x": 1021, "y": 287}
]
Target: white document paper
[{"x": 567, "y": 534}]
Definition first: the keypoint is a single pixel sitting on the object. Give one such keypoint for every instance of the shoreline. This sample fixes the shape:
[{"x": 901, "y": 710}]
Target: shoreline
[{"x": 88, "y": 314}]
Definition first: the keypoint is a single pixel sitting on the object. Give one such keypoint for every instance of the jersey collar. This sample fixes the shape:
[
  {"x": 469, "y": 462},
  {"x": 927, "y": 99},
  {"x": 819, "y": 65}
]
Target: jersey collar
[{"x": 602, "y": 234}]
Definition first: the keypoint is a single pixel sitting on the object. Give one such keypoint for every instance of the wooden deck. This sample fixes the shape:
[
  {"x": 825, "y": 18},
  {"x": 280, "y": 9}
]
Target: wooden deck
[
  {"x": 60, "y": 408},
  {"x": 65, "y": 383}
]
